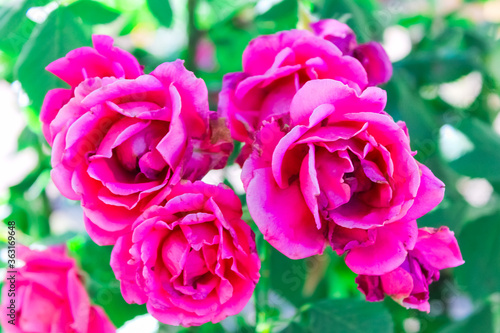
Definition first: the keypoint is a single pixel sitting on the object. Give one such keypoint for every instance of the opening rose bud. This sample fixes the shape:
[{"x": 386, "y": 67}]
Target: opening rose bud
[
  {"x": 436, "y": 249},
  {"x": 192, "y": 259}
]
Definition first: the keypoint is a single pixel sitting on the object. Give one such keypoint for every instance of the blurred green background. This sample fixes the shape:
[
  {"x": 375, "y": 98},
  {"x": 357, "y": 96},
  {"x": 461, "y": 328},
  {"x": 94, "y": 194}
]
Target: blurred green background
[{"x": 446, "y": 87}]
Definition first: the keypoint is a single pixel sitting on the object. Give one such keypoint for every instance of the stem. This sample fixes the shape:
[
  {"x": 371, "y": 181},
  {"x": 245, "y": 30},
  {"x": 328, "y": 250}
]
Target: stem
[
  {"x": 193, "y": 36},
  {"x": 262, "y": 289}
]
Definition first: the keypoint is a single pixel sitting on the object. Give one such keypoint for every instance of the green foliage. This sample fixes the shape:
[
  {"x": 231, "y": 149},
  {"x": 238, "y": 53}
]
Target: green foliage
[
  {"x": 93, "y": 12},
  {"x": 479, "y": 244},
  {"x": 161, "y": 10},
  {"x": 477, "y": 163},
  {"x": 343, "y": 315},
  {"x": 65, "y": 33}
]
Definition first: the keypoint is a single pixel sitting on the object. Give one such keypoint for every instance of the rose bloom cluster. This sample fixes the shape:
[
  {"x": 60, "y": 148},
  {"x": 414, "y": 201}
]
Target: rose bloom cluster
[{"x": 323, "y": 165}]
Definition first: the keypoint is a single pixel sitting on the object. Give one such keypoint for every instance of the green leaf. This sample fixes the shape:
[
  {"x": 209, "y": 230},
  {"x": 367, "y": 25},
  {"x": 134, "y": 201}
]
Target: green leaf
[
  {"x": 486, "y": 153},
  {"x": 60, "y": 33},
  {"x": 93, "y": 12},
  {"x": 294, "y": 328},
  {"x": 282, "y": 16},
  {"x": 15, "y": 27},
  {"x": 478, "y": 242},
  {"x": 161, "y": 10},
  {"x": 404, "y": 103},
  {"x": 481, "y": 321},
  {"x": 349, "y": 315}
]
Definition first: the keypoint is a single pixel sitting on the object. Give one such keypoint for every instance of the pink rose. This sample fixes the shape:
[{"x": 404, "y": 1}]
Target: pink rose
[
  {"x": 50, "y": 296},
  {"x": 372, "y": 55},
  {"x": 408, "y": 284},
  {"x": 104, "y": 60},
  {"x": 118, "y": 142},
  {"x": 341, "y": 168},
  {"x": 192, "y": 259},
  {"x": 276, "y": 66}
]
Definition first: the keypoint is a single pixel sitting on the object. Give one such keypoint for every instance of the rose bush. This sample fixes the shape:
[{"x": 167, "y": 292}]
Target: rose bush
[
  {"x": 342, "y": 172},
  {"x": 191, "y": 259},
  {"x": 435, "y": 249},
  {"x": 276, "y": 66},
  {"x": 119, "y": 138},
  {"x": 50, "y": 296}
]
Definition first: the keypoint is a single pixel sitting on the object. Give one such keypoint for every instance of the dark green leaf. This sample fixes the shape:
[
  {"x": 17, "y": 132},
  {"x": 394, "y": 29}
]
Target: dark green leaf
[
  {"x": 294, "y": 328},
  {"x": 478, "y": 241},
  {"x": 55, "y": 37},
  {"x": 349, "y": 315},
  {"x": 26, "y": 139},
  {"x": 404, "y": 103},
  {"x": 15, "y": 27},
  {"x": 161, "y": 10},
  {"x": 481, "y": 321},
  {"x": 486, "y": 153},
  {"x": 93, "y": 12},
  {"x": 282, "y": 16}
]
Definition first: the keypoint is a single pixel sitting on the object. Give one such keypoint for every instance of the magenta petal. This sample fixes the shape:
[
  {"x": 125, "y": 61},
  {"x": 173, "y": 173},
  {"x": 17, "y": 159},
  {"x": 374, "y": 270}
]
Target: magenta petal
[
  {"x": 371, "y": 287},
  {"x": 173, "y": 145},
  {"x": 53, "y": 102},
  {"x": 192, "y": 91},
  {"x": 438, "y": 248},
  {"x": 61, "y": 177},
  {"x": 78, "y": 299},
  {"x": 317, "y": 92},
  {"x": 282, "y": 227},
  {"x": 397, "y": 283},
  {"x": 389, "y": 250},
  {"x": 80, "y": 64},
  {"x": 309, "y": 184},
  {"x": 145, "y": 87},
  {"x": 104, "y": 45},
  {"x": 375, "y": 61},
  {"x": 429, "y": 195},
  {"x": 278, "y": 165},
  {"x": 126, "y": 271},
  {"x": 337, "y": 33}
]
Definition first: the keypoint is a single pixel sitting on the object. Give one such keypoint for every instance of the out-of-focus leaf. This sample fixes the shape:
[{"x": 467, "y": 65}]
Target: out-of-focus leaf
[
  {"x": 340, "y": 278},
  {"x": 481, "y": 321},
  {"x": 230, "y": 42},
  {"x": 287, "y": 277},
  {"x": 282, "y": 16},
  {"x": 478, "y": 242},
  {"x": 104, "y": 289},
  {"x": 439, "y": 67},
  {"x": 55, "y": 37},
  {"x": 93, "y": 12},
  {"x": 348, "y": 315},
  {"x": 479, "y": 162},
  {"x": 161, "y": 10},
  {"x": 294, "y": 328},
  {"x": 15, "y": 27},
  {"x": 26, "y": 139},
  {"x": 359, "y": 15},
  {"x": 404, "y": 103}
]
